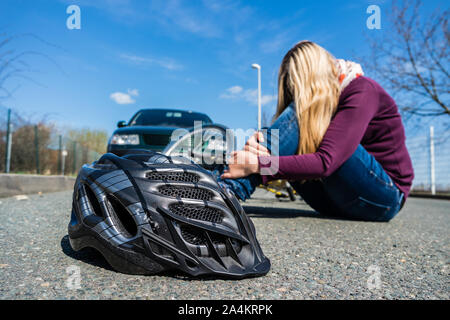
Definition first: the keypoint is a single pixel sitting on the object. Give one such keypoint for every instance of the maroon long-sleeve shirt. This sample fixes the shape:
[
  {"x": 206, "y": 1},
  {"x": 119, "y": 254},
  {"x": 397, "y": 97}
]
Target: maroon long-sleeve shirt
[{"x": 366, "y": 115}]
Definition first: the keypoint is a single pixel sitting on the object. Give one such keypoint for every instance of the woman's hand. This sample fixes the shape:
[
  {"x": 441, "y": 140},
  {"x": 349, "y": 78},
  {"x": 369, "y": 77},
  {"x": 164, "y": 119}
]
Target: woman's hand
[
  {"x": 241, "y": 164},
  {"x": 253, "y": 145}
]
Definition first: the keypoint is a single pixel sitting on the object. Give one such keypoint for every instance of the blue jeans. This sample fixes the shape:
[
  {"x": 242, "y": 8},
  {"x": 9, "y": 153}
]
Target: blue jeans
[{"x": 359, "y": 189}]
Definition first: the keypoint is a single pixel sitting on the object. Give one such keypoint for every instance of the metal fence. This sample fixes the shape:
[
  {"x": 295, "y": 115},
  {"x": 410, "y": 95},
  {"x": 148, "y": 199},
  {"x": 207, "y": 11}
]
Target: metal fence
[
  {"x": 430, "y": 155},
  {"x": 27, "y": 147}
]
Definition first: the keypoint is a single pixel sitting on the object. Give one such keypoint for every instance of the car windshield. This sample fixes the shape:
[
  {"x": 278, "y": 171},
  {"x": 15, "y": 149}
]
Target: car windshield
[{"x": 168, "y": 118}]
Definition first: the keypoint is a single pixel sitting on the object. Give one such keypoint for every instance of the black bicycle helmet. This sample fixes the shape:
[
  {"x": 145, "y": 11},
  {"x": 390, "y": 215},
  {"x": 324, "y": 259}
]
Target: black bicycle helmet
[{"x": 146, "y": 213}]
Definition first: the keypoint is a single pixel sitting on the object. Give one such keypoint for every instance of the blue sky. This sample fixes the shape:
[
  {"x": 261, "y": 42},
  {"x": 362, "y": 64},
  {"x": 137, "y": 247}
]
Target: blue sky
[{"x": 194, "y": 54}]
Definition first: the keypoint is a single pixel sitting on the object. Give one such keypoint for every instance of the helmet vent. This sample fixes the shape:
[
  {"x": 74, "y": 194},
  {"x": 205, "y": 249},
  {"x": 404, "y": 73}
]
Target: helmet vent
[
  {"x": 173, "y": 176},
  {"x": 122, "y": 217},
  {"x": 186, "y": 192},
  {"x": 196, "y": 236},
  {"x": 197, "y": 212},
  {"x": 193, "y": 236},
  {"x": 156, "y": 248},
  {"x": 95, "y": 204}
]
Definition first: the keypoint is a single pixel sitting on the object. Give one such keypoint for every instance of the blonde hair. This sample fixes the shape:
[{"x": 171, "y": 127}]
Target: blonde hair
[{"x": 308, "y": 77}]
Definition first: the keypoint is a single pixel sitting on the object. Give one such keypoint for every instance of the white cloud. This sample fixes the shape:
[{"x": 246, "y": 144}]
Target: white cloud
[
  {"x": 133, "y": 92},
  {"x": 408, "y": 67},
  {"x": 182, "y": 15},
  {"x": 234, "y": 90},
  {"x": 248, "y": 95},
  {"x": 166, "y": 63},
  {"x": 124, "y": 98},
  {"x": 191, "y": 80},
  {"x": 277, "y": 43},
  {"x": 266, "y": 99}
]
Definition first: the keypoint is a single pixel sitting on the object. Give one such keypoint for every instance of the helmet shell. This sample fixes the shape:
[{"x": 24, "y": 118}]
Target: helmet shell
[{"x": 146, "y": 213}]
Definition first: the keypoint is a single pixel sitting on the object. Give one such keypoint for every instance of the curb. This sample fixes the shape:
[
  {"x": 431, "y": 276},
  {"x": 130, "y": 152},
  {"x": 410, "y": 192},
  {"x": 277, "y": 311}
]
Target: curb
[{"x": 430, "y": 196}]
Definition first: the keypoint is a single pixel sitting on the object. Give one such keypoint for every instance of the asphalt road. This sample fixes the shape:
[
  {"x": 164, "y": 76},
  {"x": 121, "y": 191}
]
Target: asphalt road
[{"x": 312, "y": 257}]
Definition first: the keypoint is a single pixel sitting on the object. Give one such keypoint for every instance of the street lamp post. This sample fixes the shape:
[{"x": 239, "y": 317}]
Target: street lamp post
[
  {"x": 258, "y": 67},
  {"x": 8, "y": 143},
  {"x": 64, "y": 154}
]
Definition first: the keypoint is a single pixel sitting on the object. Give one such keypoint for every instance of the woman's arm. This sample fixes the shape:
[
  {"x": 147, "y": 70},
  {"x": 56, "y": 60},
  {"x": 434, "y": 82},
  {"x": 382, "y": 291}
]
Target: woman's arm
[{"x": 358, "y": 104}]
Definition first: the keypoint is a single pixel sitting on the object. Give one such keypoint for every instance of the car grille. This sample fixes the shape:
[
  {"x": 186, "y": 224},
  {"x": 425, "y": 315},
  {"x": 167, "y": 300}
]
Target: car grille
[{"x": 156, "y": 139}]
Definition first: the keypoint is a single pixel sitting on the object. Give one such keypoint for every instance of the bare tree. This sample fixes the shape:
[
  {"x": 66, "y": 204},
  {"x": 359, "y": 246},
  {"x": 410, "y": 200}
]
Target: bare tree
[
  {"x": 412, "y": 59},
  {"x": 95, "y": 140},
  {"x": 13, "y": 62},
  {"x": 23, "y": 157}
]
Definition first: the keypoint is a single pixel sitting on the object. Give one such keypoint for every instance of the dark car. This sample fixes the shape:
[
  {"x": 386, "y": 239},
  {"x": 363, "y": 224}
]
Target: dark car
[{"x": 152, "y": 129}]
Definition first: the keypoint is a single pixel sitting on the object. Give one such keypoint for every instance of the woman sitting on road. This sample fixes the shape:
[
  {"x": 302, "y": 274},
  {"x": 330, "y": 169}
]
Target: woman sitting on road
[{"x": 341, "y": 140}]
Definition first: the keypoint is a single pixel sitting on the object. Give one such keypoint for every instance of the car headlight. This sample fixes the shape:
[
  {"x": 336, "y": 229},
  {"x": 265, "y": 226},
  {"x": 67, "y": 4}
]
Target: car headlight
[{"x": 123, "y": 139}]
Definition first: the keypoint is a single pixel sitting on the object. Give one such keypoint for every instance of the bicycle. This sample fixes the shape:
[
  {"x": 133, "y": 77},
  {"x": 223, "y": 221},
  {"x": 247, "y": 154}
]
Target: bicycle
[{"x": 209, "y": 145}]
